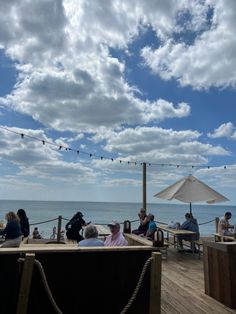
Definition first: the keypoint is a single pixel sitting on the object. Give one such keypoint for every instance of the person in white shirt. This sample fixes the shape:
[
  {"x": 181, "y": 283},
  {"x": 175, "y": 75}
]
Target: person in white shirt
[{"x": 224, "y": 225}]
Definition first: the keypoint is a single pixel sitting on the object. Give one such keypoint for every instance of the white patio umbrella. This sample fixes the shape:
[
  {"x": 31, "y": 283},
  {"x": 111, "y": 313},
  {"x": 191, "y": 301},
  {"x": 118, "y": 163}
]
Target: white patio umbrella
[{"x": 191, "y": 190}]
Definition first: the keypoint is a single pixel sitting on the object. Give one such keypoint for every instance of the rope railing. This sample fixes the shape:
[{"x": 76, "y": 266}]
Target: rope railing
[
  {"x": 43, "y": 222},
  {"x": 207, "y": 222},
  {"x": 137, "y": 288},
  {"x": 45, "y": 284},
  {"x": 121, "y": 223}
]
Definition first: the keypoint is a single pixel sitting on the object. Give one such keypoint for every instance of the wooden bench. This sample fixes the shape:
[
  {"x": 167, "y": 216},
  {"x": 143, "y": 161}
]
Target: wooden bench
[
  {"x": 194, "y": 245},
  {"x": 134, "y": 239},
  {"x": 223, "y": 238}
]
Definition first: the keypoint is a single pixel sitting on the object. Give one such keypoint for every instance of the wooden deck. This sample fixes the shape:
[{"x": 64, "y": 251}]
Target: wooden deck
[{"x": 183, "y": 286}]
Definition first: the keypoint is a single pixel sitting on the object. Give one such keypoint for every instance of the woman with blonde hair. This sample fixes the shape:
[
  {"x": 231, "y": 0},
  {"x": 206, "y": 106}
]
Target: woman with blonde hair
[{"x": 12, "y": 231}]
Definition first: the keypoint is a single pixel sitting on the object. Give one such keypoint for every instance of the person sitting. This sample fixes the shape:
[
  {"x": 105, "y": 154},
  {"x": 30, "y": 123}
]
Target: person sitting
[
  {"x": 12, "y": 231},
  {"x": 74, "y": 226},
  {"x": 190, "y": 224},
  {"x": 152, "y": 227},
  {"x": 116, "y": 238},
  {"x": 224, "y": 225},
  {"x": 24, "y": 222},
  {"x": 36, "y": 234},
  {"x": 91, "y": 237},
  {"x": 144, "y": 222}
]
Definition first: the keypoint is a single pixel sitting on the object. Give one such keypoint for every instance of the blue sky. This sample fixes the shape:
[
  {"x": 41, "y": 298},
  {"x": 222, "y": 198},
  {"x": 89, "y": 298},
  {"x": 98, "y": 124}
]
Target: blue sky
[{"x": 139, "y": 81}]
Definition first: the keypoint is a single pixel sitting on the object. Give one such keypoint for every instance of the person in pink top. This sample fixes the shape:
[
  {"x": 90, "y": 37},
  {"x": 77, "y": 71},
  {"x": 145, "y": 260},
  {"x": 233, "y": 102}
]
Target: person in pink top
[{"x": 116, "y": 238}]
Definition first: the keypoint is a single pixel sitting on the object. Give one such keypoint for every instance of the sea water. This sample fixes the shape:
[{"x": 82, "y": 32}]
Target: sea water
[{"x": 103, "y": 213}]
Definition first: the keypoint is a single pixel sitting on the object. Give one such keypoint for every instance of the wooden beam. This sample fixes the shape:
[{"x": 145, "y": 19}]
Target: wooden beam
[
  {"x": 155, "y": 284},
  {"x": 59, "y": 228},
  {"x": 144, "y": 185},
  {"x": 25, "y": 284}
]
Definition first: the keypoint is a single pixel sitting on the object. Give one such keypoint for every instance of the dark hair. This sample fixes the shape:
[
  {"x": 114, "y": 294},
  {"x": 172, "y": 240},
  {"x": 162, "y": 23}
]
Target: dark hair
[
  {"x": 228, "y": 214},
  {"x": 21, "y": 213},
  {"x": 188, "y": 215}
]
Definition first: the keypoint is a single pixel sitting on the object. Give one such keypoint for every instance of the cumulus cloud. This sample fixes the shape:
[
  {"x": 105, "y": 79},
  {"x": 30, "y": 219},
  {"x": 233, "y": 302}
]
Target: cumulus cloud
[
  {"x": 227, "y": 130},
  {"x": 210, "y": 60},
  {"x": 35, "y": 160},
  {"x": 157, "y": 145},
  {"x": 67, "y": 78}
]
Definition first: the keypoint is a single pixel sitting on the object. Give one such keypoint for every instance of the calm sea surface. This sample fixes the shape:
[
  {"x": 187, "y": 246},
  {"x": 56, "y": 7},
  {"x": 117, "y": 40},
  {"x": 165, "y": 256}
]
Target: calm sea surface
[{"x": 98, "y": 212}]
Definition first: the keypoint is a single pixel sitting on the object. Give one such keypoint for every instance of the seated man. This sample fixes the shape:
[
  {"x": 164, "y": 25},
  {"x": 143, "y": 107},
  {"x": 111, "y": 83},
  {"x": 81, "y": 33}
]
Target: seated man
[
  {"x": 224, "y": 225},
  {"x": 116, "y": 238},
  {"x": 152, "y": 227},
  {"x": 190, "y": 224},
  {"x": 91, "y": 237}
]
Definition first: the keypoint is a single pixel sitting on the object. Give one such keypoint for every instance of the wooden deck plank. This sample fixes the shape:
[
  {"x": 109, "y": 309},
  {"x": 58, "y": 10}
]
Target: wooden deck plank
[{"x": 183, "y": 287}]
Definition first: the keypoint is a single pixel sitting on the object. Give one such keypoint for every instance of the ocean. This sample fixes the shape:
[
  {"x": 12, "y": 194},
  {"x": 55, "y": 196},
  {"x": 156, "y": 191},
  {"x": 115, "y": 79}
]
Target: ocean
[{"x": 102, "y": 213}]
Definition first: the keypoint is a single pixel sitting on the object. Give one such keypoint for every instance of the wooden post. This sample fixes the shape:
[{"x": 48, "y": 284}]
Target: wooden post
[
  {"x": 155, "y": 284},
  {"x": 59, "y": 229},
  {"x": 217, "y": 224},
  {"x": 25, "y": 284},
  {"x": 144, "y": 185}
]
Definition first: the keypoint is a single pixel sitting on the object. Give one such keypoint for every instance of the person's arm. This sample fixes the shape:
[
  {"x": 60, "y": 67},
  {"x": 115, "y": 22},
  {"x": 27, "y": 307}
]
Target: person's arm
[
  {"x": 185, "y": 225},
  {"x": 144, "y": 221}
]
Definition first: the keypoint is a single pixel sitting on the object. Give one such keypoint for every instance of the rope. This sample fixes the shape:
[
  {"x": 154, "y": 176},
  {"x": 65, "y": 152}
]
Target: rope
[
  {"x": 207, "y": 222},
  {"x": 45, "y": 283},
  {"x": 104, "y": 224},
  {"x": 43, "y": 222},
  {"x": 136, "y": 290}
]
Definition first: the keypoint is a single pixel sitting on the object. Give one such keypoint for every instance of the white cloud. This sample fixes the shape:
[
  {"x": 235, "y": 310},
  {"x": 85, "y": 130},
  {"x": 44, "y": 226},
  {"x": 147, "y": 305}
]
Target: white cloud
[
  {"x": 210, "y": 60},
  {"x": 157, "y": 145},
  {"x": 68, "y": 80},
  {"x": 33, "y": 159},
  {"x": 227, "y": 130}
]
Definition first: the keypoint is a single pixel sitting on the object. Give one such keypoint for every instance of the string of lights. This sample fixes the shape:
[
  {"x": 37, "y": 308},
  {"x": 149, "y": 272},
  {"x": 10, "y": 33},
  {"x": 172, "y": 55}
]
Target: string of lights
[{"x": 61, "y": 147}]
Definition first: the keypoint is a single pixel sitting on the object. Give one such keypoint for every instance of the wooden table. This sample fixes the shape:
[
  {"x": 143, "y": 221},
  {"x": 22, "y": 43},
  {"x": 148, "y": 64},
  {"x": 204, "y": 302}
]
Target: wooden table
[
  {"x": 175, "y": 232},
  {"x": 103, "y": 231}
]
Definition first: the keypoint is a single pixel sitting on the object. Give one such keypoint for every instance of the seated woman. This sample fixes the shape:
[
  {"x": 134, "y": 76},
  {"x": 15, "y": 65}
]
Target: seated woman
[
  {"x": 12, "y": 231},
  {"x": 24, "y": 222},
  {"x": 144, "y": 223},
  {"x": 91, "y": 237},
  {"x": 190, "y": 224}
]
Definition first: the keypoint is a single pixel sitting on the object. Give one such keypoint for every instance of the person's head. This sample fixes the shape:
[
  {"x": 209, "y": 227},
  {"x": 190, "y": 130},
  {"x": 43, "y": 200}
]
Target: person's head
[
  {"x": 188, "y": 216},
  {"x": 142, "y": 211},
  {"x": 91, "y": 232},
  {"x": 228, "y": 215},
  {"x": 21, "y": 213},
  {"x": 35, "y": 229},
  {"x": 151, "y": 217},
  {"x": 78, "y": 215},
  {"x": 114, "y": 227},
  {"x": 11, "y": 216}
]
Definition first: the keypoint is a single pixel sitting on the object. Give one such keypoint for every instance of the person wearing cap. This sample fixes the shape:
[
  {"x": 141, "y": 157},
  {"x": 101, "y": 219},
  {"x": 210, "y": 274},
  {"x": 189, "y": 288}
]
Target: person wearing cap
[
  {"x": 91, "y": 237},
  {"x": 116, "y": 238}
]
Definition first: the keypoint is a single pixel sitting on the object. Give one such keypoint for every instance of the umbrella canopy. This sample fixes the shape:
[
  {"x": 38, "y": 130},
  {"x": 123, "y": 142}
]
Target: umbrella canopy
[{"x": 191, "y": 190}]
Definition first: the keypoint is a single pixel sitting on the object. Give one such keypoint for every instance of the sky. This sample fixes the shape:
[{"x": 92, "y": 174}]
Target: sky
[{"x": 137, "y": 81}]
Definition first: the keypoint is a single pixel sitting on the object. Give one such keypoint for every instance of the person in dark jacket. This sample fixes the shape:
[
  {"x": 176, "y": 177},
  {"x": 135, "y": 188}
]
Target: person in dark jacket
[
  {"x": 190, "y": 224},
  {"x": 74, "y": 226},
  {"x": 12, "y": 231},
  {"x": 24, "y": 222}
]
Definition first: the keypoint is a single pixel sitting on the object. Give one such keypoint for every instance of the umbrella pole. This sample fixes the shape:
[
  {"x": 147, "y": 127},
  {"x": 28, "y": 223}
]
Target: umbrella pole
[{"x": 190, "y": 208}]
